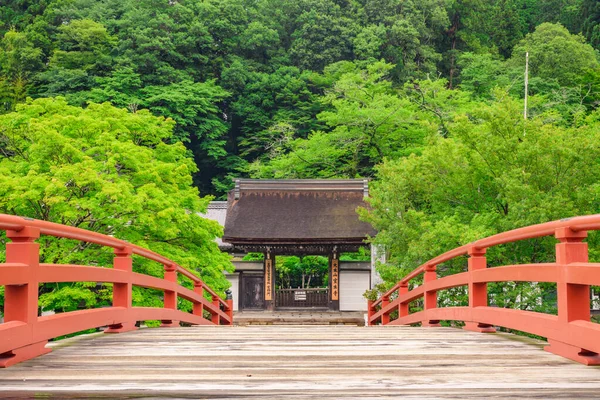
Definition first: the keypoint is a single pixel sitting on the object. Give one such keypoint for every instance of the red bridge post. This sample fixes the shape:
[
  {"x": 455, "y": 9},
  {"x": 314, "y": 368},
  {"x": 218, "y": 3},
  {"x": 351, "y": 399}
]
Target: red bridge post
[
  {"x": 370, "y": 312},
  {"x": 478, "y": 295},
  {"x": 170, "y": 296},
  {"x": 198, "y": 307},
  {"x": 385, "y": 317},
  {"x": 216, "y": 318},
  {"x": 122, "y": 296},
  {"x": 430, "y": 296},
  {"x": 21, "y": 300},
  {"x": 403, "y": 307},
  {"x": 573, "y": 299}
]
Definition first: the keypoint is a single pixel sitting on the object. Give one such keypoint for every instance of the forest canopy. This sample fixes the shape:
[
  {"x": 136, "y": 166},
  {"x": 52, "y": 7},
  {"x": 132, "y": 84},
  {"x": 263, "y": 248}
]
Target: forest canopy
[{"x": 248, "y": 81}]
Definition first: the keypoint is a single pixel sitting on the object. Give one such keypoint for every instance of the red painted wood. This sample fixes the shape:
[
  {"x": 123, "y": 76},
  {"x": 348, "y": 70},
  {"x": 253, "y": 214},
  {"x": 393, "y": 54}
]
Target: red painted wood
[
  {"x": 24, "y": 334},
  {"x": 570, "y": 334}
]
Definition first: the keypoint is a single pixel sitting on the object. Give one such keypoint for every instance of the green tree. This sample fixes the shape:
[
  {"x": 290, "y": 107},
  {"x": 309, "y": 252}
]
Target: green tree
[
  {"x": 110, "y": 171},
  {"x": 590, "y": 14},
  {"x": 19, "y": 60},
  {"x": 556, "y": 55},
  {"x": 493, "y": 174},
  {"x": 324, "y": 36},
  {"x": 369, "y": 121}
]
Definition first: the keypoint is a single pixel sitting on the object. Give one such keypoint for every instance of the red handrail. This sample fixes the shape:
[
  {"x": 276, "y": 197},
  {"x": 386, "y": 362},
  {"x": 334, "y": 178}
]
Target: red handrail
[
  {"x": 24, "y": 334},
  {"x": 570, "y": 334}
]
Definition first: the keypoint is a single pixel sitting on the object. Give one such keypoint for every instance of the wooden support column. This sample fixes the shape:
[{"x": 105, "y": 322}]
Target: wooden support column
[
  {"x": 21, "y": 301},
  {"x": 198, "y": 307},
  {"x": 430, "y": 297},
  {"x": 170, "y": 296},
  {"x": 573, "y": 299},
  {"x": 385, "y": 317},
  {"x": 334, "y": 281},
  {"x": 269, "y": 289},
  {"x": 216, "y": 318},
  {"x": 477, "y": 291},
  {"x": 403, "y": 310},
  {"x": 122, "y": 296}
]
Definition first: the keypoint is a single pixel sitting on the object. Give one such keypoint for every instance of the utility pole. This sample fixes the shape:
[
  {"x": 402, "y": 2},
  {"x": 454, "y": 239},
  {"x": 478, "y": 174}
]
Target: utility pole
[{"x": 526, "y": 84}]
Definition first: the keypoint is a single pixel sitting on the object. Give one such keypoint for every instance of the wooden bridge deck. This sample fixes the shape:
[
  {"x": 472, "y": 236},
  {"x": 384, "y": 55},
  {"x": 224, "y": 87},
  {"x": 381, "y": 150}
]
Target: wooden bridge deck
[{"x": 302, "y": 362}]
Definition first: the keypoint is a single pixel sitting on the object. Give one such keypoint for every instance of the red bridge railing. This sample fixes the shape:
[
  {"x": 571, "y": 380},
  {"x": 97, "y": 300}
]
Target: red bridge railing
[
  {"x": 570, "y": 334},
  {"x": 24, "y": 334}
]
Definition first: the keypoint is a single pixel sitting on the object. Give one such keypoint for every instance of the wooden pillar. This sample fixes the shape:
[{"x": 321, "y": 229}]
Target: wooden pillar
[
  {"x": 122, "y": 295},
  {"x": 21, "y": 300},
  {"x": 385, "y": 317},
  {"x": 403, "y": 310},
  {"x": 170, "y": 296},
  {"x": 269, "y": 289},
  {"x": 216, "y": 318},
  {"x": 198, "y": 307},
  {"x": 334, "y": 281},
  {"x": 478, "y": 296},
  {"x": 573, "y": 299},
  {"x": 430, "y": 297}
]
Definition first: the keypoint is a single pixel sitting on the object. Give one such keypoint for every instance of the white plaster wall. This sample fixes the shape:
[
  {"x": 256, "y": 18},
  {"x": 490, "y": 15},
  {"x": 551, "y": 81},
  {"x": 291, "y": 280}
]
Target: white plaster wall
[
  {"x": 352, "y": 286},
  {"x": 234, "y": 279},
  {"x": 377, "y": 254},
  {"x": 217, "y": 211}
]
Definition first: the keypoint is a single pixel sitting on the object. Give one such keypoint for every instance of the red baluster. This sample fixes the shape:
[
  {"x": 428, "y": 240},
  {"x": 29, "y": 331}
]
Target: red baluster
[
  {"x": 385, "y": 317},
  {"x": 122, "y": 292},
  {"x": 429, "y": 297},
  {"x": 21, "y": 301},
  {"x": 198, "y": 307},
  {"x": 170, "y": 299},
  {"x": 477, "y": 291},
  {"x": 403, "y": 307},
  {"x": 573, "y": 299},
  {"x": 216, "y": 319}
]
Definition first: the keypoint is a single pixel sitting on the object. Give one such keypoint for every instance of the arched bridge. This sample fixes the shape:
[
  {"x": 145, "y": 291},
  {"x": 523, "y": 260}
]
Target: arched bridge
[
  {"x": 302, "y": 361},
  {"x": 570, "y": 334},
  {"x": 24, "y": 334}
]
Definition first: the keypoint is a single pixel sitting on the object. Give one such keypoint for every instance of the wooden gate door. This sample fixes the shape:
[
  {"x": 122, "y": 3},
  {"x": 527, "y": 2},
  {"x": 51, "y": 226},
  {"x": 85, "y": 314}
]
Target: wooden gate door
[{"x": 253, "y": 297}]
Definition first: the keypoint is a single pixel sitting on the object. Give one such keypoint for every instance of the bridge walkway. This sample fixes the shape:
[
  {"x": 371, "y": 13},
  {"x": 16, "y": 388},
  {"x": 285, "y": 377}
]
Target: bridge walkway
[{"x": 302, "y": 362}]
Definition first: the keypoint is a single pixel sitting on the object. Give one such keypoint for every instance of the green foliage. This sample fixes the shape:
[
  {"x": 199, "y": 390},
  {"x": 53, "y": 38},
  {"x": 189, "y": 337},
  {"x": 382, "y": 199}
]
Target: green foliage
[
  {"x": 19, "y": 59},
  {"x": 254, "y": 257},
  {"x": 301, "y": 272},
  {"x": 493, "y": 174},
  {"x": 555, "y": 54},
  {"x": 367, "y": 123},
  {"x": 110, "y": 171},
  {"x": 245, "y": 80},
  {"x": 363, "y": 254}
]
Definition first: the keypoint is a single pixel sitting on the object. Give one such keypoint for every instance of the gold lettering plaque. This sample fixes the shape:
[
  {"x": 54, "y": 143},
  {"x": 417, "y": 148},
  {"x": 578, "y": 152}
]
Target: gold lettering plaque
[
  {"x": 335, "y": 274},
  {"x": 268, "y": 280}
]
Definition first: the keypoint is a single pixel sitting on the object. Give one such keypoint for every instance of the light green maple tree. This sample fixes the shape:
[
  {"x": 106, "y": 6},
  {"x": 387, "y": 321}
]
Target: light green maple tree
[{"x": 110, "y": 171}]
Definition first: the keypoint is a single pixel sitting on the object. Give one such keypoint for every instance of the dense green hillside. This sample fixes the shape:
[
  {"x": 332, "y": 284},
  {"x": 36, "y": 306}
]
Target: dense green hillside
[{"x": 245, "y": 79}]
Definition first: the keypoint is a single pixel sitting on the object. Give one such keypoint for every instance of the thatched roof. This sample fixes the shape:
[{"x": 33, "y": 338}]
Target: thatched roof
[{"x": 296, "y": 212}]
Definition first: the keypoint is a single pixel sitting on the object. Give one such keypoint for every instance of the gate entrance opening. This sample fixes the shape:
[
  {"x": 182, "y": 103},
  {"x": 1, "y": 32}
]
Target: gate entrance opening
[{"x": 301, "y": 282}]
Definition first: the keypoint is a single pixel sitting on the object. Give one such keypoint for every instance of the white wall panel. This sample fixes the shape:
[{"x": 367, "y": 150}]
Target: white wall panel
[{"x": 352, "y": 286}]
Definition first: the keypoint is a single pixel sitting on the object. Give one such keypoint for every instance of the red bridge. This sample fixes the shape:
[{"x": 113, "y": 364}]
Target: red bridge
[
  {"x": 571, "y": 334},
  {"x": 303, "y": 361},
  {"x": 24, "y": 334}
]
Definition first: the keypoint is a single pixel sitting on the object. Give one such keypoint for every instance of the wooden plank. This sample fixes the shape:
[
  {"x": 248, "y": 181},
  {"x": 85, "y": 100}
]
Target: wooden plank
[{"x": 306, "y": 362}]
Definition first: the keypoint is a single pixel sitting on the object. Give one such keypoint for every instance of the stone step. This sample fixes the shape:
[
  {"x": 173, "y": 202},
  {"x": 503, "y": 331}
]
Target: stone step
[{"x": 298, "y": 318}]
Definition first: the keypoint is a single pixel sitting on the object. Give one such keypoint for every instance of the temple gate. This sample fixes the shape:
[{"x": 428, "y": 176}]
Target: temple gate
[{"x": 297, "y": 217}]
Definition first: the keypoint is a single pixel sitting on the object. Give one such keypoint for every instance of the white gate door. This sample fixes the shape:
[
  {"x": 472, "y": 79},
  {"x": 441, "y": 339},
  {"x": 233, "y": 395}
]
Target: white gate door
[{"x": 352, "y": 286}]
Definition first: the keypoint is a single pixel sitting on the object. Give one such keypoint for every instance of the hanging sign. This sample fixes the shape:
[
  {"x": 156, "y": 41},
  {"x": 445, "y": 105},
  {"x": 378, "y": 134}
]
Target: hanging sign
[
  {"x": 268, "y": 280},
  {"x": 335, "y": 273}
]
